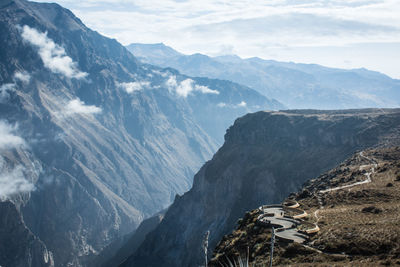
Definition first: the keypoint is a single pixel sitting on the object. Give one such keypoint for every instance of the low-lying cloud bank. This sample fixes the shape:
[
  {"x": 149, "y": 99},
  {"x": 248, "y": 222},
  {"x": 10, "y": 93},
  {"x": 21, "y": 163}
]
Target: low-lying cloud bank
[
  {"x": 53, "y": 55},
  {"x": 186, "y": 87}
]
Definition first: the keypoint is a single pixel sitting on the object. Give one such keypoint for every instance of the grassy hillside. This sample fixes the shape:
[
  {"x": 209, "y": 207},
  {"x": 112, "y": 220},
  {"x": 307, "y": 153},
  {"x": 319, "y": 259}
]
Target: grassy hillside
[{"x": 359, "y": 224}]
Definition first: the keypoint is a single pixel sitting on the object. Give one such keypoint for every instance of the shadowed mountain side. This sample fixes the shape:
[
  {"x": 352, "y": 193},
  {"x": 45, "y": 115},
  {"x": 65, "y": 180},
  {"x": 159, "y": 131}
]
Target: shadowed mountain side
[
  {"x": 19, "y": 247},
  {"x": 120, "y": 250},
  {"x": 266, "y": 155}
]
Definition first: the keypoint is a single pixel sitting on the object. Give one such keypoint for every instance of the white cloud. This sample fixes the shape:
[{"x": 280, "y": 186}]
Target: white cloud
[
  {"x": 242, "y": 104},
  {"x": 53, "y": 56},
  {"x": 13, "y": 181},
  {"x": 205, "y": 89},
  {"x": 134, "y": 86},
  {"x": 8, "y": 138},
  {"x": 221, "y": 105},
  {"x": 5, "y": 91},
  {"x": 76, "y": 106},
  {"x": 171, "y": 83},
  {"x": 186, "y": 87},
  {"x": 22, "y": 76}
]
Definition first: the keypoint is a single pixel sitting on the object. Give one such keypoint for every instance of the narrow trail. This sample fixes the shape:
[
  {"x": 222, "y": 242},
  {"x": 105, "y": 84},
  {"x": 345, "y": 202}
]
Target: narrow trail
[
  {"x": 368, "y": 180},
  {"x": 321, "y": 192}
]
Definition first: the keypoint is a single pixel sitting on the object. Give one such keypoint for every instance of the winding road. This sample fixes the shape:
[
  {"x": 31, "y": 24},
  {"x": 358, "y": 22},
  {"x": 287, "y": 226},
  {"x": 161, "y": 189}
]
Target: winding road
[{"x": 286, "y": 227}]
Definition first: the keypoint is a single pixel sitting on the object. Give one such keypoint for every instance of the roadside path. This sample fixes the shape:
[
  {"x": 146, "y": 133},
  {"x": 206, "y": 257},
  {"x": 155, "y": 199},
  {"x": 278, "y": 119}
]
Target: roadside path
[{"x": 368, "y": 180}]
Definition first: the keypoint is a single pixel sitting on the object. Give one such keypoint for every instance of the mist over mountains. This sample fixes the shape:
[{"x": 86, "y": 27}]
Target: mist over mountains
[
  {"x": 95, "y": 138},
  {"x": 293, "y": 84},
  {"x": 92, "y": 140}
]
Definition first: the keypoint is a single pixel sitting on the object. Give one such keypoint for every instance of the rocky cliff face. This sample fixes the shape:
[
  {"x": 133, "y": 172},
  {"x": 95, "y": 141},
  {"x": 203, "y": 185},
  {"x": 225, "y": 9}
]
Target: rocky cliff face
[
  {"x": 266, "y": 156},
  {"x": 93, "y": 141},
  {"x": 120, "y": 250},
  {"x": 19, "y": 246}
]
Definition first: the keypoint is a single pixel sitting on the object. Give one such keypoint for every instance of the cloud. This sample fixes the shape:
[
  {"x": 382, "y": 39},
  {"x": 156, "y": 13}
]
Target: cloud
[
  {"x": 242, "y": 104},
  {"x": 13, "y": 181},
  {"x": 186, "y": 87},
  {"x": 53, "y": 56},
  {"x": 221, "y": 105},
  {"x": 76, "y": 106},
  {"x": 5, "y": 91},
  {"x": 8, "y": 139},
  {"x": 134, "y": 86},
  {"x": 22, "y": 76},
  {"x": 205, "y": 90}
]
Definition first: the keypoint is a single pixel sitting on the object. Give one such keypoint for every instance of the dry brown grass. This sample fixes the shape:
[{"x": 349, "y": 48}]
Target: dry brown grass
[
  {"x": 360, "y": 226},
  {"x": 369, "y": 238}
]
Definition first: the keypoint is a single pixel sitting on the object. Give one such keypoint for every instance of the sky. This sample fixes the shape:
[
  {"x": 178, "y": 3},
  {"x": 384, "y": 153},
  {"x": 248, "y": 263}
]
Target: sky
[{"x": 337, "y": 33}]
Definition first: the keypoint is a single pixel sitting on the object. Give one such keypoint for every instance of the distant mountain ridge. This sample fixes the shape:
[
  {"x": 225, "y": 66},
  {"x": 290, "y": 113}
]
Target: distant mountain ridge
[{"x": 295, "y": 85}]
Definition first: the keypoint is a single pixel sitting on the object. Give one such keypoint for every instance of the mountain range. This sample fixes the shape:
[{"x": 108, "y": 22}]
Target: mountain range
[
  {"x": 92, "y": 141},
  {"x": 97, "y": 142},
  {"x": 293, "y": 84}
]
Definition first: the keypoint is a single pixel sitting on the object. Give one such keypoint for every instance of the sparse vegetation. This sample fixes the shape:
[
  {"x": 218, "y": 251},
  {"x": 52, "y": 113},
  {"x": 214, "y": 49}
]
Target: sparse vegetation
[{"x": 359, "y": 226}]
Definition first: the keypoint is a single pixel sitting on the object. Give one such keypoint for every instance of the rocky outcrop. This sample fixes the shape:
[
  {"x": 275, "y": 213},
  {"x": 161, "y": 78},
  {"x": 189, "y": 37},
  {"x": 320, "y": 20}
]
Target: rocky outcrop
[{"x": 266, "y": 156}]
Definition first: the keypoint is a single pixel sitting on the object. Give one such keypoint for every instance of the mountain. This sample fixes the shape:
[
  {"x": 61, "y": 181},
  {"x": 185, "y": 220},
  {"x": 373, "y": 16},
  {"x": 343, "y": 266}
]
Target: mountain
[
  {"x": 117, "y": 252},
  {"x": 92, "y": 141},
  {"x": 294, "y": 85},
  {"x": 357, "y": 222},
  {"x": 266, "y": 156},
  {"x": 154, "y": 53},
  {"x": 19, "y": 247}
]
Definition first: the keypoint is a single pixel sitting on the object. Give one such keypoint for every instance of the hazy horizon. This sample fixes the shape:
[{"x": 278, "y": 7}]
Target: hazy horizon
[{"x": 341, "y": 34}]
